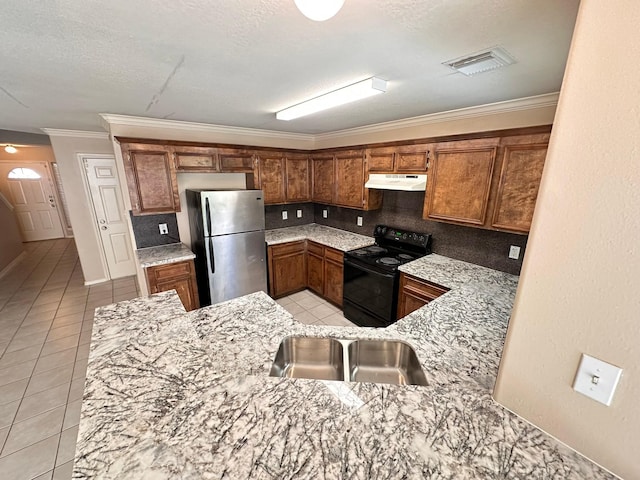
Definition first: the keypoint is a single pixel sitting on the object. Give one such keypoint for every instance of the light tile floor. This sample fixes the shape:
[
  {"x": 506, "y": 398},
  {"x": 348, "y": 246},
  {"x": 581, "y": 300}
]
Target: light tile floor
[{"x": 46, "y": 316}]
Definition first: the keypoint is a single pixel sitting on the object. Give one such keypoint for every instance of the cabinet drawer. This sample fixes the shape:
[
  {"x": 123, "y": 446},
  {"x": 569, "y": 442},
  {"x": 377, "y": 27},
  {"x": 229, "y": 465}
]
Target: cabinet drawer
[
  {"x": 287, "y": 248},
  {"x": 429, "y": 290},
  {"x": 170, "y": 271},
  {"x": 333, "y": 255},
  {"x": 315, "y": 249}
]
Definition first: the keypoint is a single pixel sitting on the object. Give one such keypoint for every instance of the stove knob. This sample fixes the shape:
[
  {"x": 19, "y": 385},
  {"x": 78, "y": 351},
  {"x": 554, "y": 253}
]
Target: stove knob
[
  {"x": 421, "y": 238},
  {"x": 404, "y": 236}
]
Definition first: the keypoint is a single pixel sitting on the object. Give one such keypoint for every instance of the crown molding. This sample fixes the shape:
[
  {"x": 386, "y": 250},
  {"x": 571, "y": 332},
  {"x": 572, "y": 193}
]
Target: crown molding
[
  {"x": 526, "y": 103},
  {"x": 54, "y": 132},
  {"x": 114, "y": 119}
]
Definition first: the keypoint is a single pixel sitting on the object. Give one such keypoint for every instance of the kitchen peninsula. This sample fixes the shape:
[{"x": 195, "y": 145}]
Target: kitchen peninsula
[{"x": 171, "y": 394}]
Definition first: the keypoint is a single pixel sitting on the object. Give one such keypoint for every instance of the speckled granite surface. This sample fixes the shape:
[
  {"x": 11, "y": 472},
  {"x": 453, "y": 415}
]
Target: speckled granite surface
[
  {"x": 331, "y": 237},
  {"x": 188, "y": 396},
  {"x": 172, "y": 253}
]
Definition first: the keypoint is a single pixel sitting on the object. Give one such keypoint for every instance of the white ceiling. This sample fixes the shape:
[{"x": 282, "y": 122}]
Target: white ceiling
[{"x": 235, "y": 62}]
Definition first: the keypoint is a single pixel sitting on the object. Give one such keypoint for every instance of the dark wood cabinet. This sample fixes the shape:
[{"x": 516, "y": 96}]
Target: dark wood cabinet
[
  {"x": 400, "y": 159},
  {"x": 298, "y": 179},
  {"x": 179, "y": 276},
  {"x": 236, "y": 160},
  {"x": 520, "y": 174},
  {"x": 333, "y": 275},
  {"x": 195, "y": 159},
  {"x": 322, "y": 170},
  {"x": 287, "y": 268},
  {"x": 315, "y": 267},
  {"x": 459, "y": 181},
  {"x": 415, "y": 293},
  {"x": 272, "y": 181},
  {"x": 151, "y": 178}
]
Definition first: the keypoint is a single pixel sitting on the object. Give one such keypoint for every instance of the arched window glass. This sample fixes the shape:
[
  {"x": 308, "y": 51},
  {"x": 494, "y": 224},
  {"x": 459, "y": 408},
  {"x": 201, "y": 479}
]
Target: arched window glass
[{"x": 21, "y": 173}]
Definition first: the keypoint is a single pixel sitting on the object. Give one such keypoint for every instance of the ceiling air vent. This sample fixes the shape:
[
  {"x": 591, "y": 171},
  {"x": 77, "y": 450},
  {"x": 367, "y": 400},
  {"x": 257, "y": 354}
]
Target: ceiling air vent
[{"x": 480, "y": 62}]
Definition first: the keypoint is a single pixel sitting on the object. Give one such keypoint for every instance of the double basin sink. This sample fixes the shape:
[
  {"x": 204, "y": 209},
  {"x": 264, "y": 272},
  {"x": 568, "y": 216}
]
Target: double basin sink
[{"x": 370, "y": 360}]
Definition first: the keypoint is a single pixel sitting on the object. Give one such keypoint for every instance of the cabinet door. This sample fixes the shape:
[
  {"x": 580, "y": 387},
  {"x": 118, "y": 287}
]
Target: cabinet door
[
  {"x": 152, "y": 182},
  {"x": 413, "y": 158},
  {"x": 287, "y": 268},
  {"x": 195, "y": 159},
  {"x": 236, "y": 160},
  {"x": 323, "y": 179},
  {"x": 380, "y": 160},
  {"x": 459, "y": 182},
  {"x": 183, "y": 287},
  {"x": 315, "y": 267},
  {"x": 298, "y": 179},
  {"x": 272, "y": 178},
  {"x": 333, "y": 275},
  {"x": 349, "y": 179},
  {"x": 518, "y": 189},
  {"x": 179, "y": 276}
]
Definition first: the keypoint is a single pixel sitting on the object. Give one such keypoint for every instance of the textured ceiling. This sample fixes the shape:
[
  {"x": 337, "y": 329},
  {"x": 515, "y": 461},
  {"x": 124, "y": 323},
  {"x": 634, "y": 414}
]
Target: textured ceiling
[{"x": 235, "y": 62}]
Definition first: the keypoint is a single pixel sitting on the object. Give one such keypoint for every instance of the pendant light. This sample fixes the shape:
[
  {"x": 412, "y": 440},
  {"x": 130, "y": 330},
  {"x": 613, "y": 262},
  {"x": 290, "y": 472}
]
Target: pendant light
[{"x": 319, "y": 10}]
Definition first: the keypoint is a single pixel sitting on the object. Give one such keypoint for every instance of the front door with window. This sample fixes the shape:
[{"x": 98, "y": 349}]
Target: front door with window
[{"x": 29, "y": 188}]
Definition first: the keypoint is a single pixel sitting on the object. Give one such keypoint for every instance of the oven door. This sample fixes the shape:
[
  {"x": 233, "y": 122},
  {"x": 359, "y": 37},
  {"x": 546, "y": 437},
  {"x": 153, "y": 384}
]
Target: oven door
[{"x": 370, "y": 296}]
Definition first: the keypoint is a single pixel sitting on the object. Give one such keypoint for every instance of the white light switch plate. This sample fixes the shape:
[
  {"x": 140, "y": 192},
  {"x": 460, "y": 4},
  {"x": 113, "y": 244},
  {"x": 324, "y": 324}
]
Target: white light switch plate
[
  {"x": 164, "y": 230},
  {"x": 597, "y": 379},
  {"x": 299, "y": 213},
  {"x": 514, "y": 252},
  {"x": 285, "y": 215},
  {"x": 359, "y": 221},
  {"x": 325, "y": 213}
]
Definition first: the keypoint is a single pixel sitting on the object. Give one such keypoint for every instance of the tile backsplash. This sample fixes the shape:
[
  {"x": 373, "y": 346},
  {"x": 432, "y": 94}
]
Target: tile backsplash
[
  {"x": 147, "y": 233},
  {"x": 273, "y": 215},
  {"x": 404, "y": 210}
]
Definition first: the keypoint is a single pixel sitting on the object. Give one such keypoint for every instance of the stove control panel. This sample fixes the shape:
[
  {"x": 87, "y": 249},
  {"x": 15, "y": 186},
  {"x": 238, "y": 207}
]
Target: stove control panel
[{"x": 392, "y": 235}]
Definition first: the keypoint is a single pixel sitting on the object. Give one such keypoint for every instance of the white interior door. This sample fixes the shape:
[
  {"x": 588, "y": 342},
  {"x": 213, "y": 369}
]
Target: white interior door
[
  {"x": 30, "y": 190},
  {"x": 104, "y": 187}
]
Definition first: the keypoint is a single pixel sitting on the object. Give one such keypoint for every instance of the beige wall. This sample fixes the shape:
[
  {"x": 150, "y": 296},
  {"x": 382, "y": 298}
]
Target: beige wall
[
  {"x": 579, "y": 288},
  {"x": 10, "y": 240},
  {"x": 66, "y": 149}
]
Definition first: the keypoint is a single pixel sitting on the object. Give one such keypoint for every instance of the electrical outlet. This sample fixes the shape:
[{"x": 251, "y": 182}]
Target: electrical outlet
[
  {"x": 514, "y": 252},
  {"x": 597, "y": 379},
  {"x": 164, "y": 230},
  {"x": 359, "y": 221},
  {"x": 299, "y": 213},
  {"x": 285, "y": 215},
  {"x": 325, "y": 213}
]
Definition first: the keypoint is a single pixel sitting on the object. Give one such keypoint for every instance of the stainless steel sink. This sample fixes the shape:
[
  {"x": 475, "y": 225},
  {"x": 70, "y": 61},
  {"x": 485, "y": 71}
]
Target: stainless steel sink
[
  {"x": 376, "y": 361},
  {"x": 309, "y": 357},
  {"x": 384, "y": 361}
]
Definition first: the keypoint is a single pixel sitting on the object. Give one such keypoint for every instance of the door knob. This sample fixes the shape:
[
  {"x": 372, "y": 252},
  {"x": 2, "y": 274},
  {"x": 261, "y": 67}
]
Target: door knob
[
  {"x": 103, "y": 221},
  {"x": 104, "y": 227}
]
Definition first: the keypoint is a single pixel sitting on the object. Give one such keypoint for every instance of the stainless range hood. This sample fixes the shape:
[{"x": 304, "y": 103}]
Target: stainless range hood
[{"x": 393, "y": 181}]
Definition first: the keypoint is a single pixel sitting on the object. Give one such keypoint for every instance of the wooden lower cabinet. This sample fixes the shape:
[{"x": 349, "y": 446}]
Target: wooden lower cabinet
[
  {"x": 295, "y": 266},
  {"x": 415, "y": 293},
  {"x": 179, "y": 276},
  {"x": 287, "y": 268}
]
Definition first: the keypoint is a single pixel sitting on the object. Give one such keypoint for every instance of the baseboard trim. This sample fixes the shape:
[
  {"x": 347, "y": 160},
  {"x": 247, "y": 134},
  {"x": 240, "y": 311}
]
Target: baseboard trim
[
  {"x": 15, "y": 262},
  {"x": 94, "y": 282}
]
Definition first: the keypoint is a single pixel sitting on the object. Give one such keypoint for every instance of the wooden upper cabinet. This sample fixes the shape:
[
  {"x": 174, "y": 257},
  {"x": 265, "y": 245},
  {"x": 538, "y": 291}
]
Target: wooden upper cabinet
[
  {"x": 151, "y": 178},
  {"x": 323, "y": 179},
  {"x": 195, "y": 159},
  {"x": 350, "y": 179},
  {"x": 459, "y": 181},
  {"x": 402, "y": 159},
  {"x": 298, "y": 179},
  {"x": 522, "y": 163},
  {"x": 272, "y": 178},
  {"x": 236, "y": 160}
]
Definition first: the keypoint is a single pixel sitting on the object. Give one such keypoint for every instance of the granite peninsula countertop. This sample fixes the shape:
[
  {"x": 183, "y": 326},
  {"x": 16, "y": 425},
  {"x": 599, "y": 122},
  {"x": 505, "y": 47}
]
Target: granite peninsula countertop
[
  {"x": 328, "y": 236},
  {"x": 163, "y": 254},
  {"x": 173, "y": 395}
]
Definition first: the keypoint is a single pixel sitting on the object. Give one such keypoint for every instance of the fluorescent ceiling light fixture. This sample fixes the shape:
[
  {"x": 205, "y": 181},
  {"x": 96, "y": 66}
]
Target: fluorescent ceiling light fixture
[
  {"x": 10, "y": 149},
  {"x": 356, "y": 91},
  {"x": 319, "y": 10},
  {"x": 480, "y": 62}
]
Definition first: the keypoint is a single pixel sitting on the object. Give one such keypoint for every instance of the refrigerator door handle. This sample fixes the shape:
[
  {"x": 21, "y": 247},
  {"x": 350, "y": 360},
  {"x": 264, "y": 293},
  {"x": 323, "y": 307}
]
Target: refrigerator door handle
[
  {"x": 211, "y": 257},
  {"x": 208, "y": 215}
]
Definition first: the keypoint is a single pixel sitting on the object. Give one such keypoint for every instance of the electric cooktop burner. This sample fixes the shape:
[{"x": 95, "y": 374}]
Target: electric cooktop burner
[
  {"x": 389, "y": 261},
  {"x": 405, "y": 256},
  {"x": 376, "y": 249}
]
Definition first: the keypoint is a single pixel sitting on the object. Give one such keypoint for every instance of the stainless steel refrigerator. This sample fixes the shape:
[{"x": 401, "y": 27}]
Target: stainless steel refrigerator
[{"x": 227, "y": 236}]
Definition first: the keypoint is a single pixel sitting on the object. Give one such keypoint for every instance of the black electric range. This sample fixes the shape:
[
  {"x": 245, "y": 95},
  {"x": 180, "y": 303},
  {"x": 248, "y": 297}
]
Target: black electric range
[{"x": 370, "y": 295}]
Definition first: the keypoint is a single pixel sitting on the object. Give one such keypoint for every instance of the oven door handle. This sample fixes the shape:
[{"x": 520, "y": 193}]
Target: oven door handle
[{"x": 362, "y": 267}]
